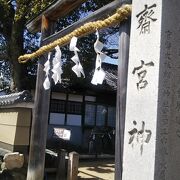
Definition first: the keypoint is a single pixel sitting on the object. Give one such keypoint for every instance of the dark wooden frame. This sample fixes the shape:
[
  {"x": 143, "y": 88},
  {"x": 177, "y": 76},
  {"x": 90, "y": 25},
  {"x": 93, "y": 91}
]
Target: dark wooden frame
[
  {"x": 124, "y": 38},
  {"x": 41, "y": 107},
  {"x": 83, "y": 104},
  {"x": 54, "y": 111},
  {"x": 40, "y": 117},
  {"x": 57, "y": 9},
  {"x": 80, "y": 113},
  {"x": 98, "y": 14}
]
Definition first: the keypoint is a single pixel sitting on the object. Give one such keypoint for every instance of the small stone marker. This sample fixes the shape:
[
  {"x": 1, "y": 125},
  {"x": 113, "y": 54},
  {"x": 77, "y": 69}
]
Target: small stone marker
[
  {"x": 61, "y": 169},
  {"x": 13, "y": 160},
  {"x": 73, "y": 164},
  {"x": 152, "y": 125}
]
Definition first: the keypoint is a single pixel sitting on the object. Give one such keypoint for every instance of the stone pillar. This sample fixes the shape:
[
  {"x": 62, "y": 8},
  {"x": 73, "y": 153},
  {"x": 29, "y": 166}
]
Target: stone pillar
[
  {"x": 73, "y": 164},
  {"x": 152, "y": 123}
]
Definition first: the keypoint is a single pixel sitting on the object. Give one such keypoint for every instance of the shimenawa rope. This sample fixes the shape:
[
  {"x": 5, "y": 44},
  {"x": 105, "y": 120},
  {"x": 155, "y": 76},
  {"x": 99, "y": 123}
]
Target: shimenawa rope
[{"x": 121, "y": 14}]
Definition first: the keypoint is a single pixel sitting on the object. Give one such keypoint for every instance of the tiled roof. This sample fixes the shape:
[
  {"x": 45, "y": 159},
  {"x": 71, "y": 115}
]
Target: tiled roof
[
  {"x": 109, "y": 84},
  {"x": 24, "y": 96},
  {"x": 111, "y": 80},
  {"x": 111, "y": 75}
]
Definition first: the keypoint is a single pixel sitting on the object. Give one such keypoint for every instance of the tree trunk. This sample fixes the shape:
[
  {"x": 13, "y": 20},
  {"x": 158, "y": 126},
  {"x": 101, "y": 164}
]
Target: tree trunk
[{"x": 18, "y": 71}]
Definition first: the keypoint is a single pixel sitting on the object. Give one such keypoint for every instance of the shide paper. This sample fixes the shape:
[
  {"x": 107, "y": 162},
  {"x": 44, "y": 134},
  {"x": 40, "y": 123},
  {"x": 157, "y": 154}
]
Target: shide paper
[
  {"x": 57, "y": 66},
  {"x": 77, "y": 68},
  {"x": 56, "y": 70},
  {"x": 46, "y": 83},
  {"x": 99, "y": 73}
]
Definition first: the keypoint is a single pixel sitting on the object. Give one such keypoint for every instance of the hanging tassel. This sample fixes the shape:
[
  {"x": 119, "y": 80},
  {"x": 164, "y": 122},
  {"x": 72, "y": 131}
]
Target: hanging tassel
[
  {"x": 46, "y": 83},
  {"x": 57, "y": 66},
  {"x": 77, "y": 68},
  {"x": 99, "y": 73}
]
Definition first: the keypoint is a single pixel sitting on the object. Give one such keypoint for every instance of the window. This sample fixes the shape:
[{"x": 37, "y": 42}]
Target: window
[
  {"x": 111, "y": 116},
  {"x": 57, "y": 118},
  {"x": 101, "y": 115},
  {"x": 74, "y": 120},
  {"x": 74, "y": 108},
  {"x": 57, "y": 106},
  {"x": 90, "y": 114}
]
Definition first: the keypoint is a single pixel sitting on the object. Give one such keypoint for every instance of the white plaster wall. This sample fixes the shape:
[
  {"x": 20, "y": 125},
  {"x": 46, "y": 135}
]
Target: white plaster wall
[{"x": 74, "y": 97}]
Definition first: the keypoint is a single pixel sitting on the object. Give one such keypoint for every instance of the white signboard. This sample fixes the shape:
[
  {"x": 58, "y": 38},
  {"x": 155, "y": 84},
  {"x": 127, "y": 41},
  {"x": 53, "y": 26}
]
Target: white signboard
[{"x": 62, "y": 133}]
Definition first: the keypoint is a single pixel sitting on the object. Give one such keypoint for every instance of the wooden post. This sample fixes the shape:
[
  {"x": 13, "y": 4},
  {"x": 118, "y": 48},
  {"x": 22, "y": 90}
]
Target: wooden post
[
  {"x": 61, "y": 171},
  {"x": 121, "y": 95},
  {"x": 73, "y": 164},
  {"x": 40, "y": 116}
]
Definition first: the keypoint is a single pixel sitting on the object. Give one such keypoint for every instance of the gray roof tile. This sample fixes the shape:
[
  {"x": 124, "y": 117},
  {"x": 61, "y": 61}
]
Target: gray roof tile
[{"x": 23, "y": 96}]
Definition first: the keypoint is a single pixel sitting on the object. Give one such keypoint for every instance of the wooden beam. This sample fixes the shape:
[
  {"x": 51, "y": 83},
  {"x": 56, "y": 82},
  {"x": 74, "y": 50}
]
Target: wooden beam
[
  {"x": 98, "y": 14},
  {"x": 58, "y": 9},
  {"x": 121, "y": 95},
  {"x": 40, "y": 117}
]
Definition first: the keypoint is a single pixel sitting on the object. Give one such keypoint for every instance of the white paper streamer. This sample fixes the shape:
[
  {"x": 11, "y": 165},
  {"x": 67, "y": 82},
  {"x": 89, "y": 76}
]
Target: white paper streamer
[
  {"x": 57, "y": 66},
  {"x": 77, "y": 68},
  {"x": 99, "y": 73},
  {"x": 46, "y": 83}
]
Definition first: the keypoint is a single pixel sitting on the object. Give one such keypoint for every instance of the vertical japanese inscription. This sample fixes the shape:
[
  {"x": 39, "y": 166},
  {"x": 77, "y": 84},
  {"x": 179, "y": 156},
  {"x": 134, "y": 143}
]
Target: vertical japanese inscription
[
  {"x": 145, "y": 17},
  {"x": 166, "y": 94},
  {"x": 141, "y": 72},
  {"x": 139, "y": 136},
  {"x": 142, "y": 136}
]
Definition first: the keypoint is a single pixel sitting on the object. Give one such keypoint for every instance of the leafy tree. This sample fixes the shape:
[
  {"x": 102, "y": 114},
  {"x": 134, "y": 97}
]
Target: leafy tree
[
  {"x": 15, "y": 40},
  {"x": 13, "y": 17}
]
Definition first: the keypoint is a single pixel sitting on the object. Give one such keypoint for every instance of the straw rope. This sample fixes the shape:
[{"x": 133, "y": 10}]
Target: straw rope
[{"x": 121, "y": 14}]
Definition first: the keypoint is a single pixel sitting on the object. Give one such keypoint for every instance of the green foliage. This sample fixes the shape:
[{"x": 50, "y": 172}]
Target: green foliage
[
  {"x": 21, "y": 9},
  {"x": 13, "y": 41},
  {"x": 5, "y": 7},
  {"x": 30, "y": 8}
]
